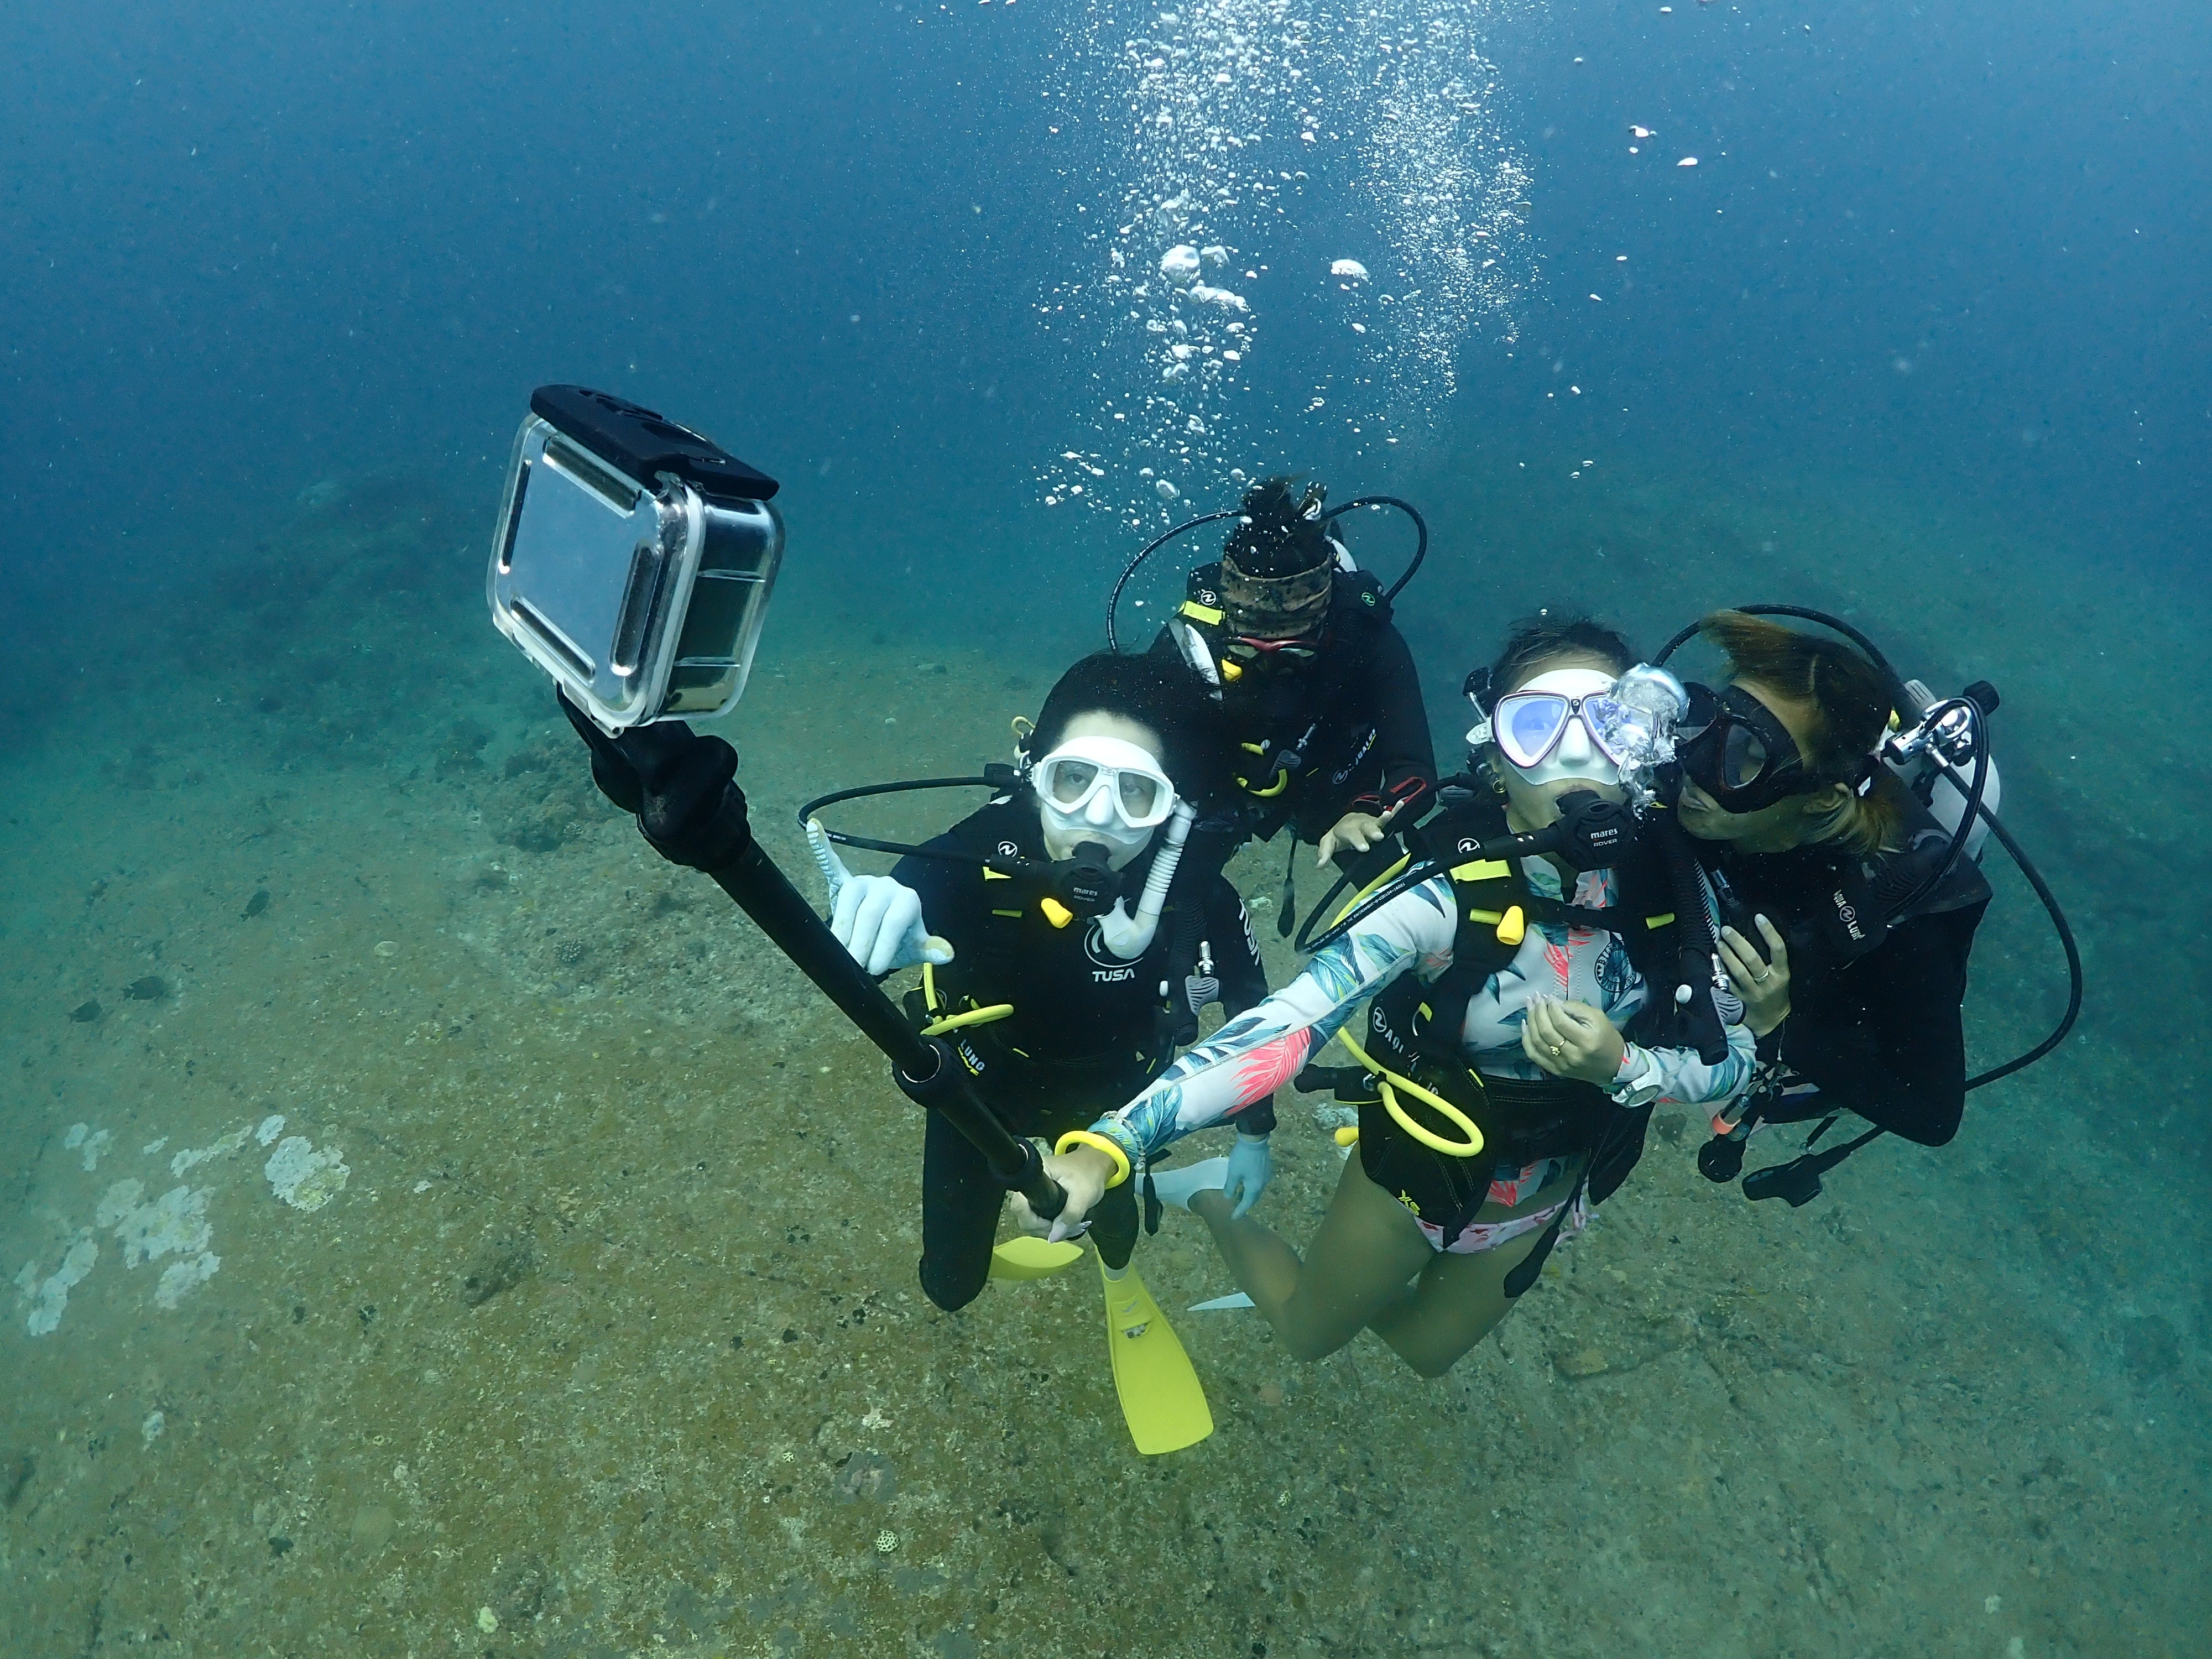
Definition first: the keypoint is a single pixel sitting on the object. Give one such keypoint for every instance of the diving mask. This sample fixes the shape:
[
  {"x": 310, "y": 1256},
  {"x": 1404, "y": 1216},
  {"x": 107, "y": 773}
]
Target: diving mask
[
  {"x": 1103, "y": 790},
  {"x": 1733, "y": 747},
  {"x": 1550, "y": 729},
  {"x": 1580, "y": 723},
  {"x": 1249, "y": 652}
]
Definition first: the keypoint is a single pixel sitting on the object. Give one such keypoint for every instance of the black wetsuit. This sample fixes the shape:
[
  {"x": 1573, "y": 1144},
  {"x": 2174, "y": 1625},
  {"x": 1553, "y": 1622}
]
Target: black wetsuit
[
  {"x": 1086, "y": 1034},
  {"x": 1873, "y": 1017},
  {"x": 1354, "y": 716}
]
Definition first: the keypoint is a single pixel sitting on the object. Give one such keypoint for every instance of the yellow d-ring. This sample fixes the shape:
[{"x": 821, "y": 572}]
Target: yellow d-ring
[
  {"x": 945, "y": 1022},
  {"x": 1468, "y": 1148},
  {"x": 1084, "y": 1138}
]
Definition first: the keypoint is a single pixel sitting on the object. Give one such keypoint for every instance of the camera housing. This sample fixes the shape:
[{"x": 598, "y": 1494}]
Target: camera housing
[{"x": 634, "y": 559}]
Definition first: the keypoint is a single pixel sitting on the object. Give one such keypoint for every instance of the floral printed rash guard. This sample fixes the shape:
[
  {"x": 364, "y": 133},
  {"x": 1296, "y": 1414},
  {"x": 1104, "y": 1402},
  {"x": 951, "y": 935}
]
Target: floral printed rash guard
[{"x": 1250, "y": 1056}]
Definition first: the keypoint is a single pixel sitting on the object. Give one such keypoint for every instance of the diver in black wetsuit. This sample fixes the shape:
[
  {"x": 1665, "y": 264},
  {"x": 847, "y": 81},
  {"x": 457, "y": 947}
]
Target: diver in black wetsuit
[
  {"x": 1322, "y": 710},
  {"x": 1852, "y": 969},
  {"x": 1060, "y": 1016}
]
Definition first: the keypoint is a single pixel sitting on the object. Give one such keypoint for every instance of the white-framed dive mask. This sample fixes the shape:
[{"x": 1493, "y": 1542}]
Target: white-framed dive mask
[
  {"x": 1101, "y": 789},
  {"x": 1549, "y": 729}
]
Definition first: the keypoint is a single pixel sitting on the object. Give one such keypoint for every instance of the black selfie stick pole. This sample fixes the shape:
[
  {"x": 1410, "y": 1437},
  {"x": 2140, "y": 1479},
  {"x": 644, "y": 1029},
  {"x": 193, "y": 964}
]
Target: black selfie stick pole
[
  {"x": 923, "y": 1067},
  {"x": 683, "y": 790}
]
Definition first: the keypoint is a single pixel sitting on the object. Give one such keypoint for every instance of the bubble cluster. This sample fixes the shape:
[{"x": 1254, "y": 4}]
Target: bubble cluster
[
  {"x": 1450, "y": 192},
  {"x": 1222, "y": 120}
]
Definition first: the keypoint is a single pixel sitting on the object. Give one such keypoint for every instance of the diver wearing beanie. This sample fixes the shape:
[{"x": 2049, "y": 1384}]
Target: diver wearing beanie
[{"x": 1323, "y": 719}]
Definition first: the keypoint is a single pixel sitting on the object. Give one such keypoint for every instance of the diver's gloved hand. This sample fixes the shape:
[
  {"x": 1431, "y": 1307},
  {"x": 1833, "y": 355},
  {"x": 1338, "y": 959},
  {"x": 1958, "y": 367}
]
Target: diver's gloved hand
[
  {"x": 678, "y": 783},
  {"x": 875, "y": 918},
  {"x": 1250, "y": 1166},
  {"x": 879, "y": 921}
]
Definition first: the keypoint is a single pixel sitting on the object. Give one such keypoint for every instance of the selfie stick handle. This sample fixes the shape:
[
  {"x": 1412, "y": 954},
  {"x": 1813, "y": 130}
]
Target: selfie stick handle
[{"x": 923, "y": 1067}]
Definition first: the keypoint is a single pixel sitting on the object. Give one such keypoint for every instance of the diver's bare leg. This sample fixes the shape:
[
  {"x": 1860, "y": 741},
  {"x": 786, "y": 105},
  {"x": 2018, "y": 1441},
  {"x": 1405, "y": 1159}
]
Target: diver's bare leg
[
  {"x": 1354, "y": 1271},
  {"x": 1459, "y": 1300}
]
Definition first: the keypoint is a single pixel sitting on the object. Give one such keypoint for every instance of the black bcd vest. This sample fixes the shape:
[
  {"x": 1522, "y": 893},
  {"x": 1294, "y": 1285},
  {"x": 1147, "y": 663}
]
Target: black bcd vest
[
  {"x": 1835, "y": 907},
  {"x": 1302, "y": 734},
  {"x": 1061, "y": 979}
]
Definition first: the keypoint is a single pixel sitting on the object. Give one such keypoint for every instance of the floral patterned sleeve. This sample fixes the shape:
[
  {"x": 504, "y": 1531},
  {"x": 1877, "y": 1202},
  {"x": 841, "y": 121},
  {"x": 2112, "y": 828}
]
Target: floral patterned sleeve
[{"x": 1252, "y": 1054}]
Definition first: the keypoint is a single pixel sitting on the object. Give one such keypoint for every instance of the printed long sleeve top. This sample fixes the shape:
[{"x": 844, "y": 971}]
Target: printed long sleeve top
[{"x": 1244, "y": 1061}]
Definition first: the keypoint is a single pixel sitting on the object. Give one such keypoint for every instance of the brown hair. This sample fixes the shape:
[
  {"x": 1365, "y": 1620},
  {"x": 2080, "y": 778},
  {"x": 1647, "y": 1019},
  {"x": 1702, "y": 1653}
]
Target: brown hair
[
  {"x": 1845, "y": 703},
  {"x": 1543, "y": 638}
]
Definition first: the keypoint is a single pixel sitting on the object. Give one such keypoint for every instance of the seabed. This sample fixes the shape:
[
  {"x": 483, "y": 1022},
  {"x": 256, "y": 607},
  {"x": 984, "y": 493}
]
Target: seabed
[{"x": 570, "y": 1309}]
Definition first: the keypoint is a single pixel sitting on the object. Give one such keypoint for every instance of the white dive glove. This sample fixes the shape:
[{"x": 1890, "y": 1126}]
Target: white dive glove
[{"x": 875, "y": 918}]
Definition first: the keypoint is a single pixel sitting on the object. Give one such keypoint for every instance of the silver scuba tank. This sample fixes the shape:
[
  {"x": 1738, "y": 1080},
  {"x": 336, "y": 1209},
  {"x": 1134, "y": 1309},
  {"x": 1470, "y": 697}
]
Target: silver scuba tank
[{"x": 1932, "y": 783}]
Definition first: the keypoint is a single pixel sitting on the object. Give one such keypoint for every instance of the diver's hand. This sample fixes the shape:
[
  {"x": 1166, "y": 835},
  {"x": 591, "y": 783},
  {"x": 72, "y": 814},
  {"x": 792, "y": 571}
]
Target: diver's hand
[
  {"x": 879, "y": 921},
  {"x": 1763, "y": 985},
  {"x": 1355, "y": 832},
  {"x": 1082, "y": 1172},
  {"x": 1572, "y": 1039},
  {"x": 1250, "y": 1165}
]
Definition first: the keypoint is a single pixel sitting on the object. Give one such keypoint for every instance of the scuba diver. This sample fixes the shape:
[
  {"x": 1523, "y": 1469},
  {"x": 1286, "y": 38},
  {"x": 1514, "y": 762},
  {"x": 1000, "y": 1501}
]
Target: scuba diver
[
  {"x": 1536, "y": 985},
  {"x": 1849, "y": 909},
  {"x": 1321, "y": 706},
  {"x": 1042, "y": 923}
]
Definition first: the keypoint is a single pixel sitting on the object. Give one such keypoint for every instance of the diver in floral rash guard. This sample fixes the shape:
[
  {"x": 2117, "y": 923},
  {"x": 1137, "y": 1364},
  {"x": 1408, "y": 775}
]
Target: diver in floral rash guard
[{"x": 1550, "y": 1033}]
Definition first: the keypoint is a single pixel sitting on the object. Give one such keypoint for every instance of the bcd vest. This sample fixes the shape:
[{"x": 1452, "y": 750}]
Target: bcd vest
[
  {"x": 1300, "y": 733},
  {"x": 1051, "y": 970},
  {"x": 1835, "y": 907},
  {"x": 1415, "y": 1031}
]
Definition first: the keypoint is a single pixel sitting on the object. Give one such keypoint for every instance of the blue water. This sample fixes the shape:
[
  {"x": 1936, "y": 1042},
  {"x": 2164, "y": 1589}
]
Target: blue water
[{"x": 1922, "y": 336}]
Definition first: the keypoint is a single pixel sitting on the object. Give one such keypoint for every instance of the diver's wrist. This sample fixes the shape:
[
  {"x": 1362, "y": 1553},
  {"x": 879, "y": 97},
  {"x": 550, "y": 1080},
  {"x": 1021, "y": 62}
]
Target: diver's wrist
[
  {"x": 1636, "y": 1080},
  {"x": 1761, "y": 1028}
]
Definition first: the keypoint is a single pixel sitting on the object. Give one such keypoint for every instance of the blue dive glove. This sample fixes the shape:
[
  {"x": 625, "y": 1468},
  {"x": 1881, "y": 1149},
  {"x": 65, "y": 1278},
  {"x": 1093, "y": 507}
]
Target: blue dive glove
[{"x": 1250, "y": 1164}]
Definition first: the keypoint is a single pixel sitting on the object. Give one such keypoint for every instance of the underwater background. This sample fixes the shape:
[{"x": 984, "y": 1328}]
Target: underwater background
[{"x": 434, "y": 1225}]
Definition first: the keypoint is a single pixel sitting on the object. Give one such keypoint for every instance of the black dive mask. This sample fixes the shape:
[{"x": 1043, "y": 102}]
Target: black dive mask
[{"x": 1731, "y": 746}]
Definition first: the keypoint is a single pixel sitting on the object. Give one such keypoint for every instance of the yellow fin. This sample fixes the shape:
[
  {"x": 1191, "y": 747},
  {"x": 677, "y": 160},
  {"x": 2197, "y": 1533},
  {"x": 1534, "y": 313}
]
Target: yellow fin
[
  {"x": 1162, "y": 1401},
  {"x": 1025, "y": 1256}
]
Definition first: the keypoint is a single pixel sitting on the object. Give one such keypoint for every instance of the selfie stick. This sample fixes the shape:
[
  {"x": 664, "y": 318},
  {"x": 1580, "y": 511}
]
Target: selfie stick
[
  {"x": 688, "y": 804},
  {"x": 923, "y": 1067}
]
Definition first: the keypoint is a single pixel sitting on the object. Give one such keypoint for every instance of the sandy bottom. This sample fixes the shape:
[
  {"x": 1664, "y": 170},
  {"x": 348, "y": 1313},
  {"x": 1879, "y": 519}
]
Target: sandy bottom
[{"x": 581, "y": 1320}]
